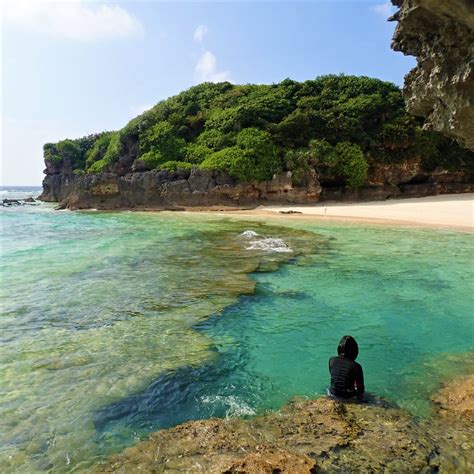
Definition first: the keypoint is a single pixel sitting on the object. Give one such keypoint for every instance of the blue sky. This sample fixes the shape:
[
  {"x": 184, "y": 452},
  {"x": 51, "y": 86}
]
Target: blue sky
[{"x": 72, "y": 68}]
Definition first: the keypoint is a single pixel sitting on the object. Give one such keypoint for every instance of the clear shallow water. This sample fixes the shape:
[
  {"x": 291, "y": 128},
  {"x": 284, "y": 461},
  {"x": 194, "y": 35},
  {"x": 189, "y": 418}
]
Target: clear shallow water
[{"x": 117, "y": 324}]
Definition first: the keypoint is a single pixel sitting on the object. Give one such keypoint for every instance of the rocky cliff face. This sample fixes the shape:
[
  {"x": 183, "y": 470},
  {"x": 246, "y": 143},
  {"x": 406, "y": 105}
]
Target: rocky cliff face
[
  {"x": 170, "y": 190},
  {"x": 440, "y": 33}
]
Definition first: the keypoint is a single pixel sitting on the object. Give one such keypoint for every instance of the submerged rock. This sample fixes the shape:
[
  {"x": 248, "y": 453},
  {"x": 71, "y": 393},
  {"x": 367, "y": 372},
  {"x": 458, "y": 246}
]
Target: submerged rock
[
  {"x": 321, "y": 435},
  {"x": 440, "y": 34}
]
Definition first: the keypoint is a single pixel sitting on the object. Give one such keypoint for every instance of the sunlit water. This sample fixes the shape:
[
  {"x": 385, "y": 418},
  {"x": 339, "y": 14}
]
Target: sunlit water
[{"x": 117, "y": 324}]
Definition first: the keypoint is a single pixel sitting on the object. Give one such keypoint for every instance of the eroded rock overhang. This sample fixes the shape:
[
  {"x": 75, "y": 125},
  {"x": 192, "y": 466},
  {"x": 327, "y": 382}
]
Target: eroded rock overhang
[{"x": 440, "y": 34}]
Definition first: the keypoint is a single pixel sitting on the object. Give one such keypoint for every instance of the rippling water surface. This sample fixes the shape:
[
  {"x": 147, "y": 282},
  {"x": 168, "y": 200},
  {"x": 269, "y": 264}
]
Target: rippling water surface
[{"x": 117, "y": 324}]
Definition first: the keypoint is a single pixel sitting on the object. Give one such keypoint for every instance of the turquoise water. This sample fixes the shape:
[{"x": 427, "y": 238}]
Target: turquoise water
[{"x": 117, "y": 324}]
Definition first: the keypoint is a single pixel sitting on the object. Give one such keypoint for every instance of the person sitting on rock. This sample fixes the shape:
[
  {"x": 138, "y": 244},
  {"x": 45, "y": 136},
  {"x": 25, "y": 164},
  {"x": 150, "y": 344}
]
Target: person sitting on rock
[{"x": 347, "y": 377}]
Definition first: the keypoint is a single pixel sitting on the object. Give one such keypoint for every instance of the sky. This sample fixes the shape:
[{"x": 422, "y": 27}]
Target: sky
[{"x": 71, "y": 68}]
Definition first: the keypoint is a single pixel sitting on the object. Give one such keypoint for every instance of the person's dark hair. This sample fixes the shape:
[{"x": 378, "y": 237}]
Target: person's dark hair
[{"x": 348, "y": 348}]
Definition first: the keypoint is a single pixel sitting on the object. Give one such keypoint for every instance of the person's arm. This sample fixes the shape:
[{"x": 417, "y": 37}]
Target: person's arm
[{"x": 359, "y": 378}]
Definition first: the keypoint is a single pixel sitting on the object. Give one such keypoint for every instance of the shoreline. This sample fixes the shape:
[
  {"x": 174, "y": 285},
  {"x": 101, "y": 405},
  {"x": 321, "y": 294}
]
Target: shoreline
[
  {"x": 445, "y": 211},
  {"x": 448, "y": 211},
  {"x": 324, "y": 434}
]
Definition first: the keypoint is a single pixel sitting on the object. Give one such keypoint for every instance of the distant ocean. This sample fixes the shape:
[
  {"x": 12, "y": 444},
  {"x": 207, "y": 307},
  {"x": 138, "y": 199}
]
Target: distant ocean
[
  {"x": 117, "y": 324},
  {"x": 19, "y": 192}
]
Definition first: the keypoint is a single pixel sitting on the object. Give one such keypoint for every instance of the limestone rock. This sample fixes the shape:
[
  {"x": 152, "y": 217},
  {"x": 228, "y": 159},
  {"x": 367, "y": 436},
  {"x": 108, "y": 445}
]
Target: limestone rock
[
  {"x": 162, "y": 189},
  {"x": 440, "y": 34},
  {"x": 319, "y": 435},
  {"x": 18, "y": 202},
  {"x": 456, "y": 399}
]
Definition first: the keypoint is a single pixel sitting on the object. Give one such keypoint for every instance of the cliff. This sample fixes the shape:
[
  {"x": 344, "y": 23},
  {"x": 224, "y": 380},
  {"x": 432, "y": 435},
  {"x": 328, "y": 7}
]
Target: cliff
[
  {"x": 440, "y": 34},
  {"x": 335, "y": 137},
  {"x": 162, "y": 189}
]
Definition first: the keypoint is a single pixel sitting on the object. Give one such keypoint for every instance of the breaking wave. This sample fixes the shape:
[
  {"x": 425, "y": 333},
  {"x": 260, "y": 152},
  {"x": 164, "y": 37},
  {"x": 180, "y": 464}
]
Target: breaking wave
[
  {"x": 248, "y": 234},
  {"x": 234, "y": 406},
  {"x": 266, "y": 244},
  {"x": 270, "y": 245}
]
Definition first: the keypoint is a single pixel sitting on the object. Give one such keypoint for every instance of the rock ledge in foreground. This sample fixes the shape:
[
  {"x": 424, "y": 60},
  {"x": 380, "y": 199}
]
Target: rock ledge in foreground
[{"x": 306, "y": 436}]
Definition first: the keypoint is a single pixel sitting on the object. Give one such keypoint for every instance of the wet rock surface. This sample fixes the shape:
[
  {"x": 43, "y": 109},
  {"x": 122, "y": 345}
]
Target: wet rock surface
[
  {"x": 456, "y": 400},
  {"x": 440, "y": 34},
  {"x": 310, "y": 436},
  {"x": 18, "y": 202}
]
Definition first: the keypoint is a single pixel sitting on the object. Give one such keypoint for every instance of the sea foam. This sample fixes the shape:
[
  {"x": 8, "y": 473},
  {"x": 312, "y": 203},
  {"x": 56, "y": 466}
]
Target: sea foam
[
  {"x": 248, "y": 234},
  {"x": 270, "y": 245},
  {"x": 266, "y": 244},
  {"x": 235, "y": 406}
]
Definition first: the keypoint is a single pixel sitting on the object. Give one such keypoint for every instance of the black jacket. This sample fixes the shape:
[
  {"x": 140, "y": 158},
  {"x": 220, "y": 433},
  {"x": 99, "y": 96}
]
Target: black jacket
[{"x": 347, "y": 378}]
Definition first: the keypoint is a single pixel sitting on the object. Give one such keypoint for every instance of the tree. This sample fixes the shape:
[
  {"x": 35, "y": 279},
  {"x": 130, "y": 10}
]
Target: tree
[
  {"x": 351, "y": 164},
  {"x": 259, "y": 147}
]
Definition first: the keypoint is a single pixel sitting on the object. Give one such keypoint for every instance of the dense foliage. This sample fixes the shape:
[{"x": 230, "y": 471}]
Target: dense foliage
[{"x": 335, "y": 126}]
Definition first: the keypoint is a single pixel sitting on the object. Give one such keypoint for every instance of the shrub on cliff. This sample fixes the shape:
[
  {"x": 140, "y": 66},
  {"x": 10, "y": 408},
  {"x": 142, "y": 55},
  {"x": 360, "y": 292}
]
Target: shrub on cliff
[
  {"x": 176, "y": 165},
  {"x": 99, "y": 149},
  {"x": 196, "y": 153},
  {"x": 50, "y": 153},
  {"x": 298, "y": 162},
  {"x": 329, "y": 126},
  {"x": 231, "y": 160},
  {"x": 253, "y": 158},
  {"x": 214, "y": 139},
  {"x": 345, "y": 159},
  {"x": 65, "y": 150},
  {"x": 160, "y": 144},
  {"x": 112, "y": 146},
  {"x": 351, "y": 164},
  {"x": 303, "y": 162},
  {"x": 259, "y": 146}
]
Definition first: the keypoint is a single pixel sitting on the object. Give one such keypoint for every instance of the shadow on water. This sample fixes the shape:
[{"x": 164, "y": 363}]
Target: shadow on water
[
  {"x": 219, "y": 388},
  {"x": 171, "y": 399},
  {"x": 226, "y": 386}
]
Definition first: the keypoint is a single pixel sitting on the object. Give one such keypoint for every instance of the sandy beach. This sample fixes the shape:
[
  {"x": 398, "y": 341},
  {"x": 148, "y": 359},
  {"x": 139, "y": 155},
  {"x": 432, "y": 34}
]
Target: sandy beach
[{"x": 451, "y": 210}]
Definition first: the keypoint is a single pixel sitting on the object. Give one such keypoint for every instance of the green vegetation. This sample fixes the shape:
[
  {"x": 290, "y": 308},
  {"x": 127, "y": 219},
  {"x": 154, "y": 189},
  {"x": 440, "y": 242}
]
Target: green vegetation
[
  {"x": 253, "y": 157},
  {"x": 176, "y": 165},
  {"x": 105, "y": 151},
  {"x": 334, "y": 127},
  {"x": 159, "y": 144}
]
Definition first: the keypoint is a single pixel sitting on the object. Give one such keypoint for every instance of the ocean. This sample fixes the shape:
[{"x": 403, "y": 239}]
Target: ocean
[{"x": 117, "y": 324}]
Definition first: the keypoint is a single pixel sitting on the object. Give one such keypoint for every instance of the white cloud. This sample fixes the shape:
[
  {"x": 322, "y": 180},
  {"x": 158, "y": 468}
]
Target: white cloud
[
  {"x": 199, "y": 33},
  {"x": 72, "y": 19},
  {"x": 206, "y": 69},
  {"x": 139, "y": 109},
  {"x": 385, "y": 9}
]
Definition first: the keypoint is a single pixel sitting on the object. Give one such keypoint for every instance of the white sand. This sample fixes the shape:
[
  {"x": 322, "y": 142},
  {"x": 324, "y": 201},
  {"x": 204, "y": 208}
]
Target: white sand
[{"x": 451, "y": 210}]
